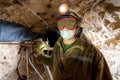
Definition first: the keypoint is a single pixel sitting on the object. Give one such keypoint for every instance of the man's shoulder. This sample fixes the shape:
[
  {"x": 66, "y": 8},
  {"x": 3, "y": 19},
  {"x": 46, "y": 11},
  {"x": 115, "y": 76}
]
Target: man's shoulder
[{"x": 89, "y": 48}]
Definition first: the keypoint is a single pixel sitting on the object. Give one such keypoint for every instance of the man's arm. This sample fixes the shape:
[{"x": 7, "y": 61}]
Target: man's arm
[{"x": 100, "y": 67}]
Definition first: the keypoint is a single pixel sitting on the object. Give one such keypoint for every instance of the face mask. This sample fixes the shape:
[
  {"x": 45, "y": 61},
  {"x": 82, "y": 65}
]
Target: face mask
[{"x": 67, "y": 34}]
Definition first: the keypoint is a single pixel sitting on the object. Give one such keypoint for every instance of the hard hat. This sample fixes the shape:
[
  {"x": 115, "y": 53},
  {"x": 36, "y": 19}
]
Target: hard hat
[{"x": 66, "y": 12}]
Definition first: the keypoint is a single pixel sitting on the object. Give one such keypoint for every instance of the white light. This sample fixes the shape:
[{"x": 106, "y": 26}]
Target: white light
[{"x": 63, "y": 8}]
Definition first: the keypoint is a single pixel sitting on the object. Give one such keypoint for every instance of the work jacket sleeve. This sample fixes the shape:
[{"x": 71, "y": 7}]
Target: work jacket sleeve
[{"x": 100, "y": 67}]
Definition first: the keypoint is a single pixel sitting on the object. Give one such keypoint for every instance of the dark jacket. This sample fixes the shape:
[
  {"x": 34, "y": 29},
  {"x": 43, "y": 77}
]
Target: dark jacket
[{"x": 80, "y": 62}]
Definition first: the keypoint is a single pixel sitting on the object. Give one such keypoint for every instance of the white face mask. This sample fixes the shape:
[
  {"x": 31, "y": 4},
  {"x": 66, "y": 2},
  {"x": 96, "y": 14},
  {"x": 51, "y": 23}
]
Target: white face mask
[{"x": 67, "y": 34}]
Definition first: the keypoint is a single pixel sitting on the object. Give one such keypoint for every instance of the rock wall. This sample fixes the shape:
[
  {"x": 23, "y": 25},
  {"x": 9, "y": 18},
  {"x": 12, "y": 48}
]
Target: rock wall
[
  {"x": 102, "y": 26},
  {"x": 8, "y": 61}
]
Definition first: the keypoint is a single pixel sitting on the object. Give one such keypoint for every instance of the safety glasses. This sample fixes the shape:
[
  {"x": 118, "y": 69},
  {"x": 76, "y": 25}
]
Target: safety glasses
[{"x": 68, "y": 23}]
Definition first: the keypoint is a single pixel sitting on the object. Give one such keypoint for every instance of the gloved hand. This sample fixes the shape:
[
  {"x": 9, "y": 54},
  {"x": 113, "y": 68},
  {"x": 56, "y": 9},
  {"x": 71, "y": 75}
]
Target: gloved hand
[{"x": 44, "y": 58}]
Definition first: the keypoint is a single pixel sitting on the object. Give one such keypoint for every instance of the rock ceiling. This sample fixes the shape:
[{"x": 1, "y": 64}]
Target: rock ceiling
[
  {"x": 36, "y": 14},
  {"x": 101, "y": 21},
  {"x": 101, "y": 16}
]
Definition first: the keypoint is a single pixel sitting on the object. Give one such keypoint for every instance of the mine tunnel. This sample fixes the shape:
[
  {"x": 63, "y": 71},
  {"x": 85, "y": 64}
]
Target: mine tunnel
[{"x": 28, "y": 25}]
